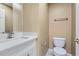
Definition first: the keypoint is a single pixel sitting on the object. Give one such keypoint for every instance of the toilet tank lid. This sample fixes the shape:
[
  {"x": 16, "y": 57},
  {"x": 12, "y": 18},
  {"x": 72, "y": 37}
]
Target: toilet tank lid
[{"x": 61, "y": 38}]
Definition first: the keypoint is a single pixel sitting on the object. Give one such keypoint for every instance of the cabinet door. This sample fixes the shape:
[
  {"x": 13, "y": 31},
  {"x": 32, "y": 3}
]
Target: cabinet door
[
  {"x": 21, "y": 54},
  {"x": 32, "y": 50}
]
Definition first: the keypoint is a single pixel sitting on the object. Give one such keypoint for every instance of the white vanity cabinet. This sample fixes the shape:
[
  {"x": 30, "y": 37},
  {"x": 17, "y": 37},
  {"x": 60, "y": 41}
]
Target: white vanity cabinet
[
  {"x": 19, "y": 47},
  {"x": 30, "y": 50}
]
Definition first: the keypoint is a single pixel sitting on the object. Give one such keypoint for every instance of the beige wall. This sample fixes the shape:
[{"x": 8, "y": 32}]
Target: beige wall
[
  {"x": 30, "y": 13},
  {"x": 8, "y": 17},
  {"x": 43, "y": 29},
  {"x": 60, "y": 28},
  {"x": 36, "y": 20}
]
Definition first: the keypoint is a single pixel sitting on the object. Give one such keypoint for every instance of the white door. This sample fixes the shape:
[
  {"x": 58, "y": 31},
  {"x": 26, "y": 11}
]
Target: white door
[{"x": 77, "y": 30}]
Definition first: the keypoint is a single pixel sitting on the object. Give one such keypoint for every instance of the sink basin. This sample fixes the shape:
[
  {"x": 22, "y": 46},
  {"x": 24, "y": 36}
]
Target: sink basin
[{"x": 25, "y": 37}]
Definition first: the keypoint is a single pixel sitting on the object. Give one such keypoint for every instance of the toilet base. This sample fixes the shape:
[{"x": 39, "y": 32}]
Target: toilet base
[{"x": 51, "y": 53}]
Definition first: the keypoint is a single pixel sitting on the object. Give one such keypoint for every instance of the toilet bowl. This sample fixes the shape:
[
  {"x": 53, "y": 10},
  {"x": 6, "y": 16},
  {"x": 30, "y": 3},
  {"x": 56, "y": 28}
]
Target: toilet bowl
[
  {"x": 59, "y": 44},
  {"x": 59, "y": 51}
]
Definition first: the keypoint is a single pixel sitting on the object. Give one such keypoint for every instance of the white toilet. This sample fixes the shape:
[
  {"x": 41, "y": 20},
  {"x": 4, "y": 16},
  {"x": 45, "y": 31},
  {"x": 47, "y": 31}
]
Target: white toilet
[{"x": 59, "y": 44}]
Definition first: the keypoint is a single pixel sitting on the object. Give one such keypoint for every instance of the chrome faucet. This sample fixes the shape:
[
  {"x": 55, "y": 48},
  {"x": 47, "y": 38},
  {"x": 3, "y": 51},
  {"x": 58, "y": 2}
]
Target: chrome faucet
[{"x": 10, "y": 34}]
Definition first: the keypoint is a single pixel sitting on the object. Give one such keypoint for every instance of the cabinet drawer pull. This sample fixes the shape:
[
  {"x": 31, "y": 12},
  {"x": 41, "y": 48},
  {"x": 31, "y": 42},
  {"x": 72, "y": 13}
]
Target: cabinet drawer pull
[{"x": 28, "y": 55}]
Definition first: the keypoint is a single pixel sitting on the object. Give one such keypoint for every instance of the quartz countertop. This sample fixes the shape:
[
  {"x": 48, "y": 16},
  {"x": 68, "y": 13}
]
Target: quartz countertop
[{"x": 15, "y": 41}]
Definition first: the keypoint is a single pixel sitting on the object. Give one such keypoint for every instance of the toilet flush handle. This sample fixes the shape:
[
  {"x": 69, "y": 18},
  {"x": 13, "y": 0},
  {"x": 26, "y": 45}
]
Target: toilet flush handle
[{"x": 77, "y": 40}]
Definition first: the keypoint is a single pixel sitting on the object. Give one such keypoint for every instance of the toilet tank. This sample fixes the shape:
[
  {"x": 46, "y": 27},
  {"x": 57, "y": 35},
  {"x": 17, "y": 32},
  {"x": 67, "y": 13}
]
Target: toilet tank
[{"x": 59, "y": 42}]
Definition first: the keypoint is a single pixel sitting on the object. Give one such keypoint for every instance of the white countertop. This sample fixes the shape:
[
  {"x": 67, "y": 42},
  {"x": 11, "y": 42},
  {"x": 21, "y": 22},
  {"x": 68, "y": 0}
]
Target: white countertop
[{"x": 8, "y": 44}]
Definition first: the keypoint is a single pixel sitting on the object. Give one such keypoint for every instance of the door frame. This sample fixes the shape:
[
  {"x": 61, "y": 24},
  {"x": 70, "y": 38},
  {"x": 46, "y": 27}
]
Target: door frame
[{"x": 73, "y": 30}]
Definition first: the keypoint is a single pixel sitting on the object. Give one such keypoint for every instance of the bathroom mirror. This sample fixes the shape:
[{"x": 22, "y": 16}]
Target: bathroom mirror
[
  {"x": 6, "y": 17},
  {"x": 11, "y": 17},
  {"x": 2, "y": 20}
]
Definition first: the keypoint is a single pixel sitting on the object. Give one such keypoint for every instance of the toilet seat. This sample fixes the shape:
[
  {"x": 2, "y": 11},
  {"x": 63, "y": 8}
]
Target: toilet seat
[{"x": 58, "y": 51}]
